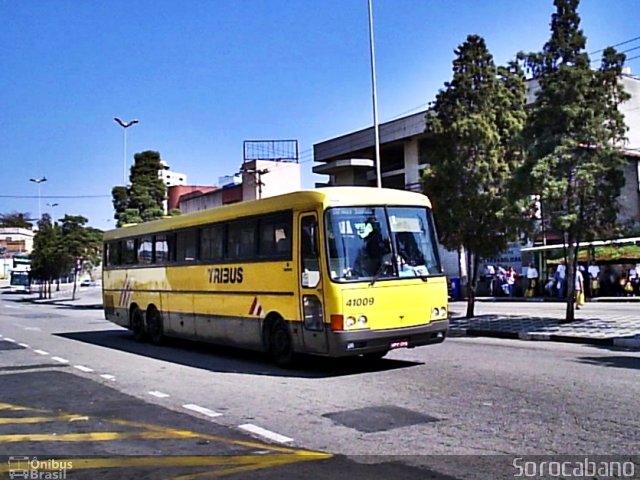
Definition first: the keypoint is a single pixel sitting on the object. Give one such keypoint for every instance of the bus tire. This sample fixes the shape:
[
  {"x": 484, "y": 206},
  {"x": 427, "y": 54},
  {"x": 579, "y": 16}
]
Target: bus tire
[
  {"x": 137, "y": 325},
  {"x": 155, "y": 326},
  {"x": 280, "y": 344}
]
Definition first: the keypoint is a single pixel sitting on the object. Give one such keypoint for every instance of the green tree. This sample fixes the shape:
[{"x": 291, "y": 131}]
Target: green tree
[
  {"x": 574, "y": 136},
  {"x": 16, "y": 220},
  {"x": 49, "y": 259},
  {"x": 143, "y": 200},
  {"x": 82, "y": 245},
  {"x": 474, "y": 127}
]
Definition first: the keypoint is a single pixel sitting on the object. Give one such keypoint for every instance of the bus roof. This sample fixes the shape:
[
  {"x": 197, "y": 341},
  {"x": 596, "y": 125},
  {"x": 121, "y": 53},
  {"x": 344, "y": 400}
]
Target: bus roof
[{"x": 326, "y": 197}]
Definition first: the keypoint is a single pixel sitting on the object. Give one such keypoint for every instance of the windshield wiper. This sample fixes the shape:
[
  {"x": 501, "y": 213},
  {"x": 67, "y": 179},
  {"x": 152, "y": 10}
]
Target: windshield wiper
[{"x": 379, "y": 273}]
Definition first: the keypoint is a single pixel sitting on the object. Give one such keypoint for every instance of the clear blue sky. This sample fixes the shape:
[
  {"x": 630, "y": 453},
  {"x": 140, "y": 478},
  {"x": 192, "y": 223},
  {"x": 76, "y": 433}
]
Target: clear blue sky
[{"x": 202, "y": 76}]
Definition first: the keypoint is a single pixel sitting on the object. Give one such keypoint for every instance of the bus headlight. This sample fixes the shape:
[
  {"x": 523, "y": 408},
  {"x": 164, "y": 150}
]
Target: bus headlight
[
  {"x": 438, "y": 313},
  {"x": 350, "y": 322},
  {"x": 362, "y": 320}
]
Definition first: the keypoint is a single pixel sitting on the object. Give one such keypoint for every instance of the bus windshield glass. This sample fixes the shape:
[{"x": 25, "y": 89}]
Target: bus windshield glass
[
  {"x": 373, "y": 243},
  {"x": 19, "y": 279}
]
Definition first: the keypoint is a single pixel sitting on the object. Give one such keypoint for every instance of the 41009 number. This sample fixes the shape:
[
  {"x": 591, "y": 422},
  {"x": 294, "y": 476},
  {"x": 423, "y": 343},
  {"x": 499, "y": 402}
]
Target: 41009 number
[{"x": 360, "y": 302}]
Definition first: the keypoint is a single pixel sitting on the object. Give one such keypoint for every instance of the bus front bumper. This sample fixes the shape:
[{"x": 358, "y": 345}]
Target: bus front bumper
[{"x": 357, "y": 342}]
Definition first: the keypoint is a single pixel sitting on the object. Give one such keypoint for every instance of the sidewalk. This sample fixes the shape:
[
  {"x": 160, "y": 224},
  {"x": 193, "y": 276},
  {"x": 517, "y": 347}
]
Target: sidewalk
[
  {"x": 85, "y": 298},
  {"x": 554, "y": 299},
  {"x": 620, "y": 328}
]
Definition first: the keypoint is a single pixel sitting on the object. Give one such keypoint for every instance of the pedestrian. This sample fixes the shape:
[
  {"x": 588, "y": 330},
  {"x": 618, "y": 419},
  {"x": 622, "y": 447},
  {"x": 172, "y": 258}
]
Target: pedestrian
[
  {"x": 511, "y": 281},
  {"x": 579, "y": 288},
  {"x": 532, "y": 279},
  {"x": 560, "y": 275},
  {"x": 634, "y": 280},
  {"x": 594, "y": 279}
]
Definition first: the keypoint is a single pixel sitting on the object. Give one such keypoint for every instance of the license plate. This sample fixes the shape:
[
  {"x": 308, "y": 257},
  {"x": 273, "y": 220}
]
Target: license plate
[{"x": 399, "y": 344}]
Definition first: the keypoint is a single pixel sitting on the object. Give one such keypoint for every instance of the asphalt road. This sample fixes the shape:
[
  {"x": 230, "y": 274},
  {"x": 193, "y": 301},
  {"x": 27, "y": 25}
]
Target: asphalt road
[{"x": 164, "y": 407}]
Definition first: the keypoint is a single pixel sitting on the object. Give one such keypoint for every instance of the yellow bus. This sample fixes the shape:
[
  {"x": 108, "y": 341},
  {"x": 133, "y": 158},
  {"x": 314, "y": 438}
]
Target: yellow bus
[{"x": 338, "y": 271}]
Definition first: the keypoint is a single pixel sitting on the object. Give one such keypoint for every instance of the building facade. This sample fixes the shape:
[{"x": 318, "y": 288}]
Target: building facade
[{"x": 257, "y": 179}]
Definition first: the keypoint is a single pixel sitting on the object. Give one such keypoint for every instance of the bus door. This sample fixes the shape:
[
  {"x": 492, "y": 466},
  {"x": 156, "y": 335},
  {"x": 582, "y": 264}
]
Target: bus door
[{"x": 314, "y": 330}]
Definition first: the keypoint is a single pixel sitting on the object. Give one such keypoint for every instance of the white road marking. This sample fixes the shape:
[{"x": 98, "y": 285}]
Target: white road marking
[
  {"x": 106, "y": 376},
  {"x": 24, "y": 345},
  {"x": 35, "y": 329},
  {"x": 158, "y": 394},
  {"x": 61, "y": 360},
  {"x": 202, "y": 410},
  {"x": 82, "y": 368},
  {"x": 41, "y": 352},
  {"x": 276, "y": 437}
]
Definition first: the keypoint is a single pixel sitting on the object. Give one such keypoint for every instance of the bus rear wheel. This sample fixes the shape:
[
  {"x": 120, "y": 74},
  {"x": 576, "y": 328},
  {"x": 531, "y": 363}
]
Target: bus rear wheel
[
  {"x": 280, "y": 345},
  {"x": 155, "y": 326},
  {"x": 137, "y": 325}
]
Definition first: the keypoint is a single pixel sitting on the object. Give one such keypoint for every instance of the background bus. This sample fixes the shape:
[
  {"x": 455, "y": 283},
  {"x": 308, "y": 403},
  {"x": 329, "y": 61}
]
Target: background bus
[
  {"x": 19, "y": 280},
  {"x": 336, "y": 272}
]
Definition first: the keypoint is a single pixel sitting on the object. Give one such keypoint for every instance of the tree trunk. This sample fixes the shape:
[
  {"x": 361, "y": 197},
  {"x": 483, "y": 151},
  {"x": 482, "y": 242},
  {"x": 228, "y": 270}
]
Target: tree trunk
[
  {"x": 462, "y": 266},
  {"x": 75, "y": 276},
  {"x": 473, "y": 264},
  {"x": 572, "y": 262}
]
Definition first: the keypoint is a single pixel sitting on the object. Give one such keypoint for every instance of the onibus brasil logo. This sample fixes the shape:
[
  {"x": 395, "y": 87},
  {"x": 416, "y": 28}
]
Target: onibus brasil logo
[{"x": 32, "y": 468}]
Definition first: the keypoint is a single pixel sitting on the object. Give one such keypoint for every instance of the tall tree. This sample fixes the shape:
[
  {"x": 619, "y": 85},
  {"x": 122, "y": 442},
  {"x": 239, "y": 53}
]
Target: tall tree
[
  {"x": 475, "y": 126},
  {"x": 49, "y": 260},
  {"x": 142, "y": 201},
  {"x": 16, "y": 220},
  {"x": 81, "y": 244},
  {"x": 574, "y": 135}
]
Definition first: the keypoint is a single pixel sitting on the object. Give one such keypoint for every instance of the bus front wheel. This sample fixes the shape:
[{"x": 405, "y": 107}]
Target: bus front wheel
[
  {"x": 280, "y": 344},
  {"x": 137, "y": 325},
  {"x": 155, "y": 326}
]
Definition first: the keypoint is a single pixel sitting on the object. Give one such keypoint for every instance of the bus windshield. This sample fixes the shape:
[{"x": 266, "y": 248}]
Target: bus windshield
[
  {"x": 19, "y": 278},
  {"x": 371, "y": 243}
]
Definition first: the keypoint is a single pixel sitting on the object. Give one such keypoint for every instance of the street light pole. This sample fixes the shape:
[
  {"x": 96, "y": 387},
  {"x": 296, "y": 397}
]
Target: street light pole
[
  {"x": 374, "y": 89},
  {"x": 125, "y": 126},
  {"x": 38, "y": 181},
  {"x": 52, "y": 205}
]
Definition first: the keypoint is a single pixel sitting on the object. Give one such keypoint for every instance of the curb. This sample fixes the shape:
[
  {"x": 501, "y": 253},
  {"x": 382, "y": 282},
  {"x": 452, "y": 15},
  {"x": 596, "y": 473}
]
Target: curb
[
  {"x": 549, "y": 300},
  {"x": 622, "y": 342}
]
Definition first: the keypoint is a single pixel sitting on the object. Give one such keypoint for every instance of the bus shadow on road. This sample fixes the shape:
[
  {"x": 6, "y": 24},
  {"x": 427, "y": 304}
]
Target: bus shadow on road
[
  {"x": 232, "y": 360},
  {"x": 613, "y": 361}
]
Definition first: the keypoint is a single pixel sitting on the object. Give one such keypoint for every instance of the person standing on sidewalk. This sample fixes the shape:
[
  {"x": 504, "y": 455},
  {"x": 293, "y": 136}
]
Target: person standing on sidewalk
[
  {"x": 579, "y": 288},
  {"x": 594, "y": 279},
  {"x": 561, "y": 273},
  {"x": 511, "y": 281},
  {"x": 532, "y": 279}
]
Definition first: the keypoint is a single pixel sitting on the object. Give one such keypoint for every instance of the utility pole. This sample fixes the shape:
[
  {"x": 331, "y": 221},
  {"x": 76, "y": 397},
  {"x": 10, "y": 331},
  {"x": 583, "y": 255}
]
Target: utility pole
[
  {"x": 257, "y": 178},
  {"x": 376, "y": 127}
]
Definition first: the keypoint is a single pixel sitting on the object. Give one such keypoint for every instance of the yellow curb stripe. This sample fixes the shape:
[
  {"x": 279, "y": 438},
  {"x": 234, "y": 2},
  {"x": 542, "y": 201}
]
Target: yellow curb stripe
[
  {"x": 17, "y": 420},
  {"x": 266, "y": 463},
  {"x": 236, "y": 461},
  {"x": 214, "y": 438},
  {"x": 18, "y": 408},
  {"x": 151, "y": 432},
  {"x": 95, "y": 436}
]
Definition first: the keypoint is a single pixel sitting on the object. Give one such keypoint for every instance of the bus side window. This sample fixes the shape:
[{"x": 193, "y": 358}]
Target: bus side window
[
  {"x": 129, "y": 251},
  {"x": 187, "y": 245},
  {"x": 310, "y": 264}
]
